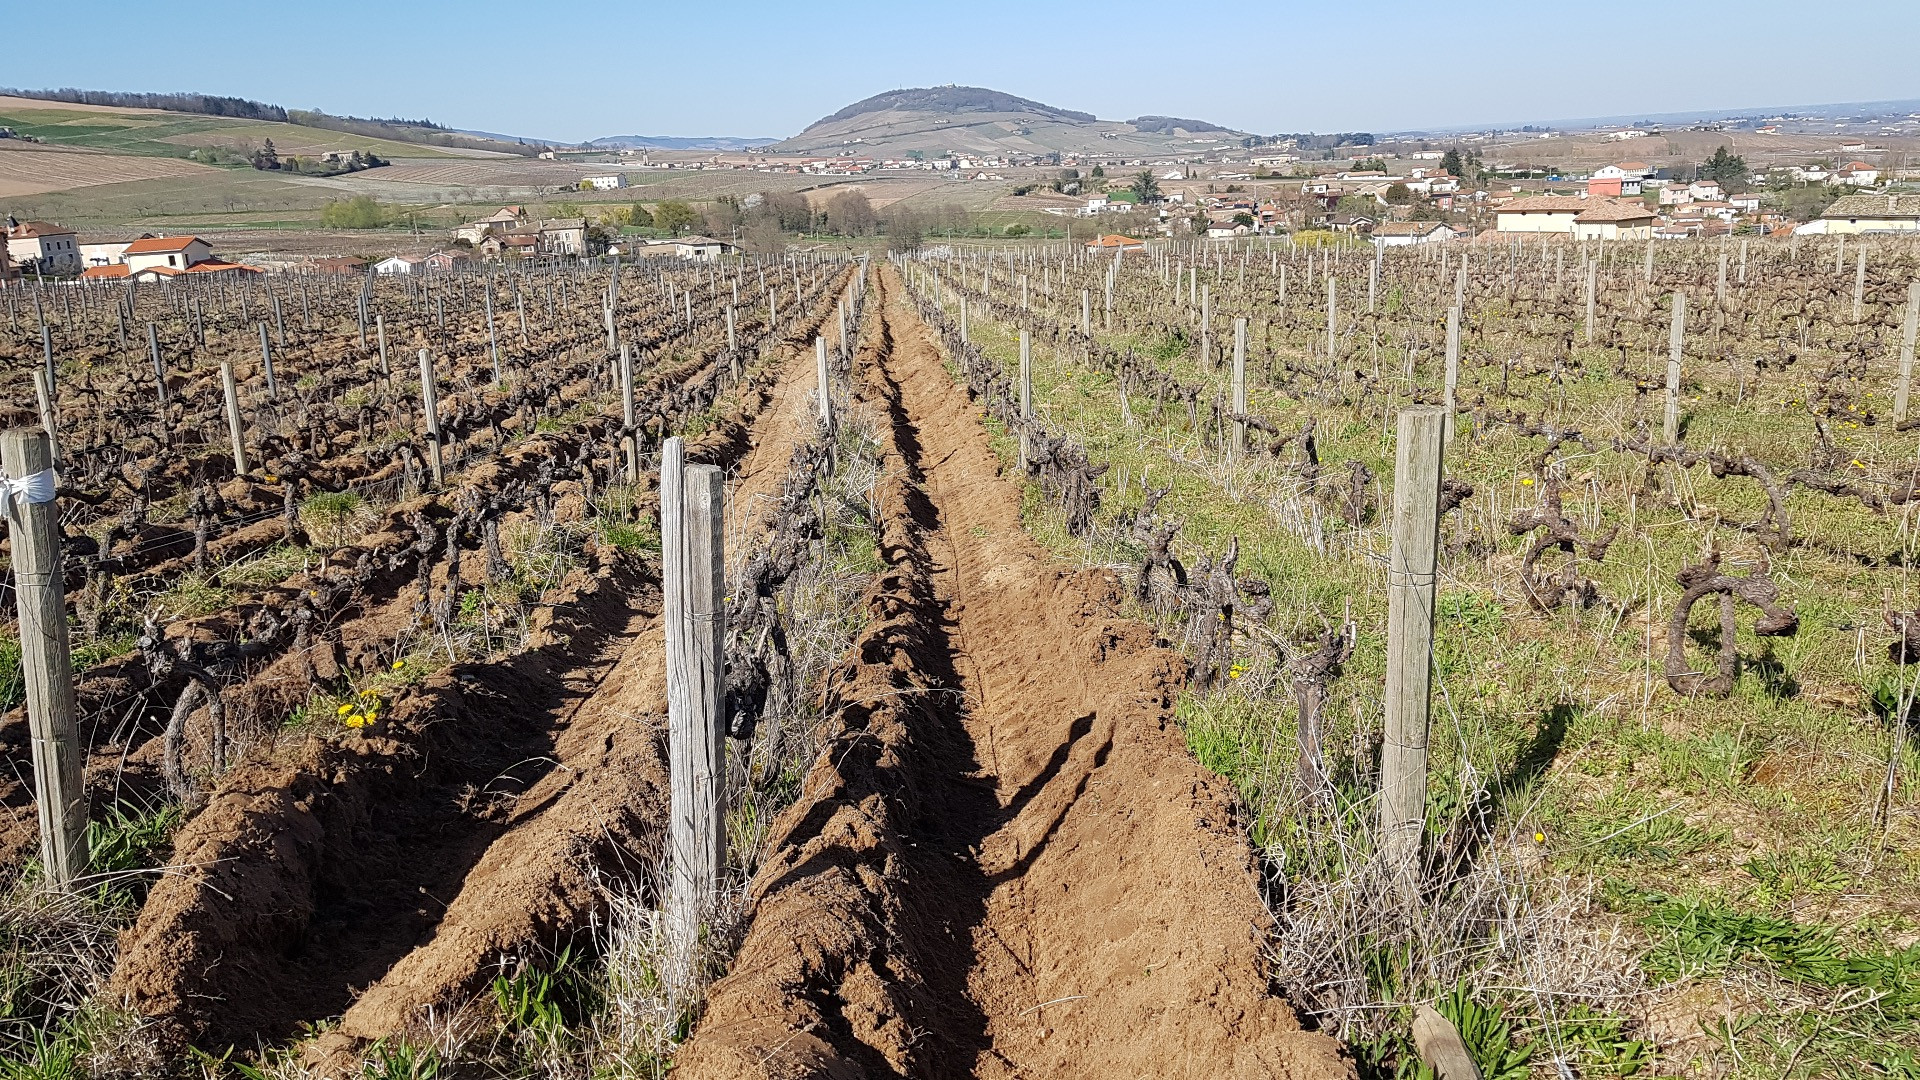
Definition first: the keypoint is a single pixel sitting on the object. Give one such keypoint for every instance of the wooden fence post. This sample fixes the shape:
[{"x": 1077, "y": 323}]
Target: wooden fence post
[
  {"x": 1593, "y": 289},
  {"x": 493, "y": 340},
  {"x": 430, "y": 406},
  {"x": 1410, "y": 596},
  {"x": 1453, "y": 370},
  {"x": 1206, "y": 327},
  {"x": 693, "y": 574},
  {"x": 46, "y": 663},
  {"x": 963, "y": 320},
  {"x": 1333, "y": 306},
  {"x": 1086, "y": 311},
  {"x": 1859, "y": 283},
  {"x": 820, "y": 370},
  {"x": 629, "y": 437},
  {"x": 1026, "y": 391},
  {"x": 1676, "y": 342},
  {"x": 380, "y": 329},
  {"x": 235, "y": 429},
  {"x": 1907, "y": 334},
  {"x": 159, "y": 367},
  {"x": 266, "y": 361},
  {"x": 1240, "y": 383},
  {"x": 49, "y": 415}
]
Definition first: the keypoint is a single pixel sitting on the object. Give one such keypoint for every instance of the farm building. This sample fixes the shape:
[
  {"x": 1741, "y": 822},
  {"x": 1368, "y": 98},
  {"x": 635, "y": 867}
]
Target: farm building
[
  {"x": 446, "y": 260},
  {"x": 1408, "y": 233},
  {"x": 169, "y": 252},
  {"x": 563, "y": 236},
  {"x": 104, "y": 254},
  {"x": 1855, "y": 214},
  {"x": 1624, "y": 178},
  {"x": 702, "y": 248},
  {"x": 43, "y": 247},
  {"x": 503, "y": 220},
  {"x": 1610, "y": 219},
  {"x": 1115, "y": 242},
  {"x": 1540, "y": 213},
  {"x": 613, "y": 182},
  {"x": 397, "y": 264}
]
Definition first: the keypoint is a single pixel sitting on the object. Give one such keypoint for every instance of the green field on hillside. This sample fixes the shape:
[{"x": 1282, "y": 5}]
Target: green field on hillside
[{"x": 164, "y": 134}]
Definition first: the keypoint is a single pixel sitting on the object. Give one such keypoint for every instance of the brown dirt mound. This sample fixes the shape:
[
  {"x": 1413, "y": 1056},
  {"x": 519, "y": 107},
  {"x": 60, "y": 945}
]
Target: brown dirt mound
[{"x": 1005, "y": 863}]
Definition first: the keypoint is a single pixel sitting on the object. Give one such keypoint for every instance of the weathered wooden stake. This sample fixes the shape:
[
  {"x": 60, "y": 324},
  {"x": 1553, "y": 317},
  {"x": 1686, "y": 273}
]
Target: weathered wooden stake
[
  {"x": 1859, "y": 283},
  {"x": 159, "y": 368},
  {"x": 1411, "y": 562},
  {"x": 380, "y": 330},
  {"x": 693, "y": 575},
  {"x": 630, "y": 437},
  {"x": 46, "y": 662},
  {"x": 493, "y": 340},
  {"x": 430, "y": 406},
  {"x": 1453, "y": 370},
  {"x": 235, "y": 429},
  {"x": 1593, "y": 288},
  {"x": 1240, "y": 384},
  {"x": 1026, "y": 391},
  {"x": 266, "y": 361},
  {"x": 43, "y": 392},
  {"x": 1676, "y": 342},
  {"x": 1908, "y": 332},
  {"x": 820, "y": 370},
  {"x": 1333, "y": 303}
]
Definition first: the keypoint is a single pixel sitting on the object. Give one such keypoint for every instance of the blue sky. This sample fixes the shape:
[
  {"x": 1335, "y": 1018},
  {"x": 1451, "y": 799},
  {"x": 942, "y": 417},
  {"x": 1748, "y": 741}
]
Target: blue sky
[{"x": 749, "y": 68}]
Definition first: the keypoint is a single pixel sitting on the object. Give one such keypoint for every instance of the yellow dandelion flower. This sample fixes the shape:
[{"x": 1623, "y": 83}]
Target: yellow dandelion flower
[
  {"x": 398, "y": 664},
  {"x": 1539, "y": 838},
  {"x": 1526, "y": 481},
  {"x": 343, "y": 710}
]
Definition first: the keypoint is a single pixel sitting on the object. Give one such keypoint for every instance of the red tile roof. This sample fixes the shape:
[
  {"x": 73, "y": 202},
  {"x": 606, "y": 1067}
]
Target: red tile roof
[
  {"x": 1610, "y": 211},
  {"x": 214, "y": 266},
  {"x": 152, "y": 245},
  {"x": 1545, "y": 204},
  {"x": 117, "y": 270}
]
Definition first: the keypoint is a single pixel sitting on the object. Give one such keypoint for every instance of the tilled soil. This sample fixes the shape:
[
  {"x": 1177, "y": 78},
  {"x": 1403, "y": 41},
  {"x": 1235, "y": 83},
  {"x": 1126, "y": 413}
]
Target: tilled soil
[
  {"x": 382, "y": 880},
  {"x": 1005, "y": 863}
]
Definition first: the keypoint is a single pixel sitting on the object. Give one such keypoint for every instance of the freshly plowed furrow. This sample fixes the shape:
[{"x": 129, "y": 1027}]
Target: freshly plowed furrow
[
  {"x": 382, "y": 881},
  {"x": 1006, "y": 863}
]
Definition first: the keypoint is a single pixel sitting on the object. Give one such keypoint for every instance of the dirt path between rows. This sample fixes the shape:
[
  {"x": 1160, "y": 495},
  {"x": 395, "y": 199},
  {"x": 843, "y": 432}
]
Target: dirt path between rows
[{"x": 1006, "y": 863}]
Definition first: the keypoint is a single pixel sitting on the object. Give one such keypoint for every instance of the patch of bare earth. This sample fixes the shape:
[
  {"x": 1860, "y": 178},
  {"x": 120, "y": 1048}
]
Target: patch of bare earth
[{"x": 1005, "y": 863}]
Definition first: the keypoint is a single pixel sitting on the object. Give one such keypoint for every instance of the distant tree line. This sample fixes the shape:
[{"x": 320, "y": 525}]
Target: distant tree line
[{"x": 202, "y": 104}]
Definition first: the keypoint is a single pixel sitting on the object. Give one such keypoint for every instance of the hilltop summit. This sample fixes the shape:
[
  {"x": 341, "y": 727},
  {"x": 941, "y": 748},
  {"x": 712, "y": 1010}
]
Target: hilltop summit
[
  {"x": 949, "y": 100},
  {"x": 975, "y": 121}
]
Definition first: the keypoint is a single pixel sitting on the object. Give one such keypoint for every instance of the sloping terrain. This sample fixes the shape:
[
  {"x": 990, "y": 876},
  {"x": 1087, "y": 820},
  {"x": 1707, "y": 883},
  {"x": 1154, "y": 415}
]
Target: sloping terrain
[
  {"x": 971, "y": 120},
  {"x": 1005, "y": 863}
]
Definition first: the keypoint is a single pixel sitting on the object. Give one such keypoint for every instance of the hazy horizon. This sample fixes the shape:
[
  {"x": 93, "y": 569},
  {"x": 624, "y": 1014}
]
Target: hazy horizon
[{"x": 770, "y": 70}]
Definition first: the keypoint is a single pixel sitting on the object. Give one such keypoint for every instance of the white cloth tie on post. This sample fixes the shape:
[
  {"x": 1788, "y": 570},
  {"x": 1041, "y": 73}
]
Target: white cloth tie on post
[{"x": 34, "y": 489}]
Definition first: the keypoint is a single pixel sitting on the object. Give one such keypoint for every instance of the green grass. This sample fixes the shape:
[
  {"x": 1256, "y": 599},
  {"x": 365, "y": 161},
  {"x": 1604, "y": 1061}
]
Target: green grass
[
  {"x": 176, "y": 134},
  {"x": 1761, "y": 802}
]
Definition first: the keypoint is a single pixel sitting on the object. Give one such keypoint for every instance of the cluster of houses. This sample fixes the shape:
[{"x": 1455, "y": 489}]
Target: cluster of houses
[
  {"x": 44, "y": 248},
  {"x": 507, "y": 232}
]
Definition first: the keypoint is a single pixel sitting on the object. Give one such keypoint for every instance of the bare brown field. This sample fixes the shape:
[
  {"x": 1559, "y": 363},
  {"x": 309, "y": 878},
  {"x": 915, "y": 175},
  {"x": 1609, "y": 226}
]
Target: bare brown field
[
  {"x": 37, "y": 171},
  {"x": 1682, "y": 147}
]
